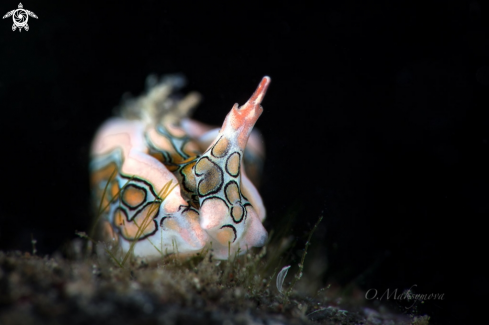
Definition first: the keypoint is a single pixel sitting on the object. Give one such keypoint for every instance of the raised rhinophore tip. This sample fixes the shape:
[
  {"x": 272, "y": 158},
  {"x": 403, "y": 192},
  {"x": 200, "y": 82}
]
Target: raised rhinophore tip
[
  {"x": 243, "y": 118},
  {"x": 260, "y": 92}
]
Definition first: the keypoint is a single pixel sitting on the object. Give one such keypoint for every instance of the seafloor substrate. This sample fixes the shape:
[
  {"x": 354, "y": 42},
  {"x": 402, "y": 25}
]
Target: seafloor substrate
[{"x": 95, "y": 290}]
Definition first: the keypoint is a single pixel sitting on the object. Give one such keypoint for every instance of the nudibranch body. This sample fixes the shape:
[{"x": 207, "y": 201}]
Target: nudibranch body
[{"x": 208, "y": 200}]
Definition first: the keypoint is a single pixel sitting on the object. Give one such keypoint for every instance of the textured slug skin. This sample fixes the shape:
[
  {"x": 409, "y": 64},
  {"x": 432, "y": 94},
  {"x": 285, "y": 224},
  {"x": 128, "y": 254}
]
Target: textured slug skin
[{"x": 171, "y": 184}]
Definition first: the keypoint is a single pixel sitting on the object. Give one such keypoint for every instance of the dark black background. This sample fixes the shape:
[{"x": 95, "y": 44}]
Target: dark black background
[{"x": 377, "y": 117}]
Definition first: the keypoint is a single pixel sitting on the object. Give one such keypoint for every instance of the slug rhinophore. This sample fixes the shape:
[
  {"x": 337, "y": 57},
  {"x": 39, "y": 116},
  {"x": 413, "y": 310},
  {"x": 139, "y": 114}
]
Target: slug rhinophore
[{"x": 169, "y": 183}]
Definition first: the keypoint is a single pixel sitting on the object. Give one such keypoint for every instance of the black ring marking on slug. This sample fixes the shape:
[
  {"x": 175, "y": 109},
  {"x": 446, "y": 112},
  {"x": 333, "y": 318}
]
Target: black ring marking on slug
[
  {"x": 225, "y": 150},
  {"x": 247, "y": 204},
  {"x": 215, "y": 197},
  {"x": 144, "y": 207},
  {"x": 163, "y": 130},
  {"x": 244, "y": 197},
  {"x": 239, "y": 164},
  {"x": 234, "y": 230},
  {"x": 184, "y": 209},
  {"x": 153, "y": 149},
  {"x": 134, "y": 207},
  {"x": 140, "y": 180},
  {"x": 185, "y": 178},
  {"x": 213, "y": 169},
  {"x": 226, "y": 191},
  {"x": 177, "y": 142},
  {"x": 127, "y": 220},
  {"x": 243, "y": 215},
  {"x": 163, "y": 220}
]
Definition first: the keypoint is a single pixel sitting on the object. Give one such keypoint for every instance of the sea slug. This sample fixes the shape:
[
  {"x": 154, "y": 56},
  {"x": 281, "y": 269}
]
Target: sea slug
[{"x": 167, "y": 183}]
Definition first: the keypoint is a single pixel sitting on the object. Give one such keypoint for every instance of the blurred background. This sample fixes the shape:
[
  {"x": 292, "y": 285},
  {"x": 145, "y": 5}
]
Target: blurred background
[{"x": 377, "y": 118}]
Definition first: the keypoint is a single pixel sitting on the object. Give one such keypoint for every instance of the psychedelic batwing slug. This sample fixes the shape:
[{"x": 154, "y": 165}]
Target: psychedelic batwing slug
[{"x": 166, "y": 183}]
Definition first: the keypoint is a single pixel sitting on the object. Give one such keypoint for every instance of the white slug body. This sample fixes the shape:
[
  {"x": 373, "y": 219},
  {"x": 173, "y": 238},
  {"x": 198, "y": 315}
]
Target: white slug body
[{"x": 170, "y": 183}]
